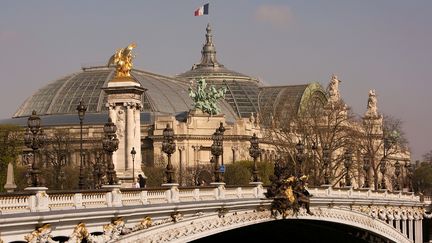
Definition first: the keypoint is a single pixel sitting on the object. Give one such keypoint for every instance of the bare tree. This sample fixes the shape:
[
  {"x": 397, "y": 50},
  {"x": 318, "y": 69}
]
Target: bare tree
[
  {"x": 380, "y": 141},
  {"x": 317, "y": 124},
  {"x": 427, "y": 157},
  {"x": 57, "y": 155}
]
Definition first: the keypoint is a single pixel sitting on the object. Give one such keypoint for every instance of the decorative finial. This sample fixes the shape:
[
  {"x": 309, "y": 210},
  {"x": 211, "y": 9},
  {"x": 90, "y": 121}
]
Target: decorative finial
[
  {"x": 123, "y": 61},
  {"x": 208, "y": 53},
  {"x": 208, "y": 29}
]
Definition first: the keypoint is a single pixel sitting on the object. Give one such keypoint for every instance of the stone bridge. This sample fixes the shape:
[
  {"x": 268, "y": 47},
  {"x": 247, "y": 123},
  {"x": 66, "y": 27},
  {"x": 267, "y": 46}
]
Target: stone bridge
[{"x": 184, "y": 214}]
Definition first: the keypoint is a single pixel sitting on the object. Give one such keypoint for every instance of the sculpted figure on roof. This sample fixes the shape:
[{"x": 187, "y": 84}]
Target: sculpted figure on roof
[
  {"x": 333, "y": 89},
  {"x": 205, "y": 98},
  {"x": 122, "y": 59},
  {"x": 372, "y": 109}
]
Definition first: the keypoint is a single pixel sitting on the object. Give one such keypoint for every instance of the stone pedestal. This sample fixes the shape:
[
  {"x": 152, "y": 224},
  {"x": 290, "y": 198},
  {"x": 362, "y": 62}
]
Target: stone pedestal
[
  {"x": 38, "y": 202},
  {"x": 172, "y": 193},
  {"x": 10, "y": 180},
  {"x": 124, "y": 103},
  {"x": 114, "y": 198}
]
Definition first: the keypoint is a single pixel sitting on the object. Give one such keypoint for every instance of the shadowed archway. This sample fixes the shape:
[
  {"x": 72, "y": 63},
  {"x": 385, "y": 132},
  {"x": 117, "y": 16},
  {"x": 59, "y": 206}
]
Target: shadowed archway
[{"x": 296, "y": 230}]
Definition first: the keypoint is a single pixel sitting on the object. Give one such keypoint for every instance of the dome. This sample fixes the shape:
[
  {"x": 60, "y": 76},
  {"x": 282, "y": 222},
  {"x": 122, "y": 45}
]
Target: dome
[
  {"x": 281, "y": 102},
  {"x": 242, "y": 90},
  {"x": 163, "y": 94}
]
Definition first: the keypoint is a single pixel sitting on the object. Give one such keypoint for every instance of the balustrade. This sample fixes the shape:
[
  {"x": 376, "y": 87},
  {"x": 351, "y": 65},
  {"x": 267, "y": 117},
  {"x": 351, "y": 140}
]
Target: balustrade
[{"x": 401, "y": 211}]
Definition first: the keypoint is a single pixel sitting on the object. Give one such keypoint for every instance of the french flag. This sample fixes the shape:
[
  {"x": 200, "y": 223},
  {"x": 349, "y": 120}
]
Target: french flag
[{"x": 203, "y": 10}]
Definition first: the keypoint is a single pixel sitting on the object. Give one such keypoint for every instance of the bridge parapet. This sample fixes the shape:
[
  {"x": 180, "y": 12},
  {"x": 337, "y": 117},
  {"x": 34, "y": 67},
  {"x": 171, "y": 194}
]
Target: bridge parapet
[{"x": 167, "y": 204}]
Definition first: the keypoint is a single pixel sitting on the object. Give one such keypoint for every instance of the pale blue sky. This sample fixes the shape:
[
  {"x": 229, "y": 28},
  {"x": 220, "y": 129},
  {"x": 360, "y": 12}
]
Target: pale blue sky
[{"x": 383, "y": 45}]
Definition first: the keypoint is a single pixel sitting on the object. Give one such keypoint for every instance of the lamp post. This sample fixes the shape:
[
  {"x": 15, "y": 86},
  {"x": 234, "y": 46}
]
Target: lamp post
[
  {"x": 366, "y": 168},
  {"x": 383, "y": 165},
  {"x": 255, "y": 152},
  {"x": 169, "y": 147},
  {"x": 347, "y": 163},
  {"x": 216, "y": 151},
  {"x": 34, "y": 138},
  {"x": 81, "y": 108},
  {"x": 221, "y": 131},
  {"x": 133, "y": 153},
  {"x": 409, "y": 171},
  {"x": 299, "y": 156},
  {"x": 110, "y": 144},
  {"x": 98, "y": 172},
  {"x": 397, "y": 173},
  {"x": 61, "y": 177},
  {"x": 326, "y": 160}
]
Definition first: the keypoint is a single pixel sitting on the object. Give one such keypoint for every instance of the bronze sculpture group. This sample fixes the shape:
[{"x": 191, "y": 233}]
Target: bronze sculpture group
[{"x": 288, "y": 191}]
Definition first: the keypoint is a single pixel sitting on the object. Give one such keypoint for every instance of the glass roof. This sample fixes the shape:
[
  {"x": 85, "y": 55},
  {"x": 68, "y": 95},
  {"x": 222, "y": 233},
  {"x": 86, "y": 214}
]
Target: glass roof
[{"x": 163, "y": 94}]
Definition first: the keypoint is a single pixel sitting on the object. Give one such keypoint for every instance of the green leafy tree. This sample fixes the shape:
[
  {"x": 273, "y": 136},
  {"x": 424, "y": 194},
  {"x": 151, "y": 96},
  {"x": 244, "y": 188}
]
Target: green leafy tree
[
  {"x": 422, "y": 179},
  {"x": 240, "y": 173},
  {"x": 10, "y": 149}
]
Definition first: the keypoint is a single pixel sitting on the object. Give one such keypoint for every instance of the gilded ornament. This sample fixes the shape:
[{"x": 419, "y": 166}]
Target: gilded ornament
[{"x": 122, "y": 59}]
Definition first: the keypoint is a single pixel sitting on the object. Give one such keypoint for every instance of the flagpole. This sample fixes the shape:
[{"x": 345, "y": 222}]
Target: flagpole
[{"x": 208, "y": 15}]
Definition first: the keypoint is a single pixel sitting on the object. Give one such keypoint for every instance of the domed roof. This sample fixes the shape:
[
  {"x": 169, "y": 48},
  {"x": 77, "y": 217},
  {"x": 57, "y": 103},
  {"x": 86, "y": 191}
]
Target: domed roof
[
  {"x": 163, "y": 94},
  {"x": 210, "y": 68},
  {"x": 281, "y": 102},
  {"x": 242, "y": 90}
]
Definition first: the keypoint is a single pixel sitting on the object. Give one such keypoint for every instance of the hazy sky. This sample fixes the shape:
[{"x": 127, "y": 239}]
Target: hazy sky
[{"x": 383, "y": 45}]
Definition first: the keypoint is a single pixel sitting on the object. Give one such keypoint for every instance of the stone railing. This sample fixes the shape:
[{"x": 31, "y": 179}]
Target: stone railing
[
  {"x": 54, "y": 200},
  {"x": 21, "y": 212}
]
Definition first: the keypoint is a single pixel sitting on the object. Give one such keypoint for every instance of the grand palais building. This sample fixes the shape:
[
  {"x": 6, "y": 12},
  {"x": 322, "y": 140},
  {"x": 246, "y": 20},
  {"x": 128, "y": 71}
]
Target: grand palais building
[{"x": 165, "y": 100}]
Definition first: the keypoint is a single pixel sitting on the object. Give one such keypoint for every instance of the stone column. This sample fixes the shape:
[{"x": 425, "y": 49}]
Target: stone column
[
  {"x": 410, "y": 226},
  {"x": 130, "y": 127},
  {"x": 182, "y": 164},
  {"x": 196, "y": 149},
  {"x": 398, "y": 224},
  {"x": 137, "y": 140},
  {"x": 418, "y": 237},
  {"x": 404, "y": 223},
  {"x": 235, "y": 149}
]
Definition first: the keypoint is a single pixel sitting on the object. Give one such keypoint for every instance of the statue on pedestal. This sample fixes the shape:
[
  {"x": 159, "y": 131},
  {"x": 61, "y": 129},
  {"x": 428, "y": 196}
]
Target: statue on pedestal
[
  {"x": 122, "y": 59},
  {"x": 372, "y": 110},
  {"x": 205, "y": 98},
  {"x": 333, "y": 89}
]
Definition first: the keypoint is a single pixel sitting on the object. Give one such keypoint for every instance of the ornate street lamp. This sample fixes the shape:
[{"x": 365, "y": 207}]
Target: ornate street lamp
[
  {"x": 81, "y": 108},
  {"x": 383, "y": 165},
  {"x": 98, "y": 172},
  {"x": 222, "y": 131},
  {"x": 169, "y": 147},
  {"x": 397, "y": 173},
  {"x": 216, "y": 151},
  {"x": 300, "y": 150},
  {"x": 366, "y": 168},
  {"x": 133, "y": 153},
  {"x": 347, "y": 163},
  {"x": 255, "y": 152},
  {"x": 326, "y": 160},
  {"x": 61, "y": 176},
  {"x": 35, "y": 139},
  {"x": 409, "y": 172},
  {"x": 110, "y": 144}
]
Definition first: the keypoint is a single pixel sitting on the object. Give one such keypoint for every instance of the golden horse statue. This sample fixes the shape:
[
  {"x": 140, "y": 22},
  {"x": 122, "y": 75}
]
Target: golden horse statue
[{"x": 122, "y": 59}]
